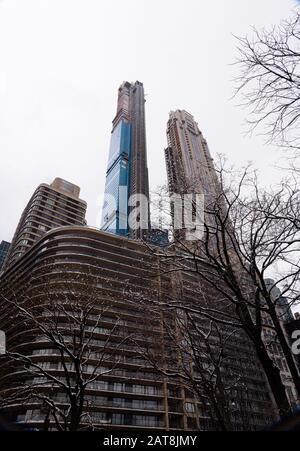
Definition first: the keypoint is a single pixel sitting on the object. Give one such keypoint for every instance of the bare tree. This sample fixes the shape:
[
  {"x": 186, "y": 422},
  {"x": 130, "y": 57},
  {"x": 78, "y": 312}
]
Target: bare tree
[
  {"x": 76, "y": 343},
  {"x": 249, "y": 235},
  {"x": 194, "y": 353},
  {"x": 269, "y": 80}
]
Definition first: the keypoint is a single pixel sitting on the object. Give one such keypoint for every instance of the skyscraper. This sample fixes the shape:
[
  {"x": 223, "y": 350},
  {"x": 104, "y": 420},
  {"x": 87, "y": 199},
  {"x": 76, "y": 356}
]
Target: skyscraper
[
  {"x": 127, "y": 171},
  {"x": 4, "y": 248},
  {"x": 50, "y": 206},
  {"x": 188, "y": 160},
  {"x": 190, "y": 171}
]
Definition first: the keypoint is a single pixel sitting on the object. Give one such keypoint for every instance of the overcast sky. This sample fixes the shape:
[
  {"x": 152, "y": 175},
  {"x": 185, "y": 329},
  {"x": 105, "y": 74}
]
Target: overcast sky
[{"x": 62, "y": 61}]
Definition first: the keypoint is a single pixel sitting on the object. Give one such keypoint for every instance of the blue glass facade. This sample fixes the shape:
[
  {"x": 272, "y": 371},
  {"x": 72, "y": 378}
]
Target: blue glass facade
[
  {"x": 127, "y": 171},
  {"x": 114, "y": 218}
]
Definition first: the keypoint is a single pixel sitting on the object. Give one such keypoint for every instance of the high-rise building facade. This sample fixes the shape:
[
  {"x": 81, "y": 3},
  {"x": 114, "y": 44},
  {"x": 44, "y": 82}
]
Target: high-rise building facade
[
  {"x": 128, "y": 392},
  {"x": 189, "y": 164},
  {"x": 127, "y": 171},
  {"x": 190, "y": 170},
  {"x": 272, "y": 343},
  {"x": 50, "y": 206},
  {"x": 4, "y": 248}
]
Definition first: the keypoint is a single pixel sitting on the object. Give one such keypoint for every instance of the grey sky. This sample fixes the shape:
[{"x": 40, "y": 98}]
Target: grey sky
[{"x": 61, "y": 62}]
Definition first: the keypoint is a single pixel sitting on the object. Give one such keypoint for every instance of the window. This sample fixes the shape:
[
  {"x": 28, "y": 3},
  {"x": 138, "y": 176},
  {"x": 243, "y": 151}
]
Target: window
[{"x": 189, "y": 407}]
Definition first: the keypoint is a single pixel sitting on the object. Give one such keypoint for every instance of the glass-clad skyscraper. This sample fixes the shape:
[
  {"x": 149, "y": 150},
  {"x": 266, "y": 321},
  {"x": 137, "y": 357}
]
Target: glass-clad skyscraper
[{"x": 127, "y": 171}]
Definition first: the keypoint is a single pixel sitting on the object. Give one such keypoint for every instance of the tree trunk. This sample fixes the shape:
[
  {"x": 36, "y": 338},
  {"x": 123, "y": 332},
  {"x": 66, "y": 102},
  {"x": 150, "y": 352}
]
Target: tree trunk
[
  {"x": 218, "y": 410},
  {"x": 271, "y": 371},
  {"x": 275, "y": 382},
  {"x": 74, "y": 416},
  {"x": 222, "y": 399}
]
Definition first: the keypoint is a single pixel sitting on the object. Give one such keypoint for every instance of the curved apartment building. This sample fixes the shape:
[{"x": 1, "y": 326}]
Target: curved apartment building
[
  {"x": 129, "y": 393},
  {"x": 132, "y": 395}
]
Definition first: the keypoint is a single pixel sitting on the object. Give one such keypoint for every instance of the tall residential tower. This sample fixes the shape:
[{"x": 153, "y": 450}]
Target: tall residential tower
[
  {"x": 188, "y": 160},
  {"x": 191, "y": 171},
  {"x": 50, "y": 206},
  {"x": 127, "y": 171}
]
